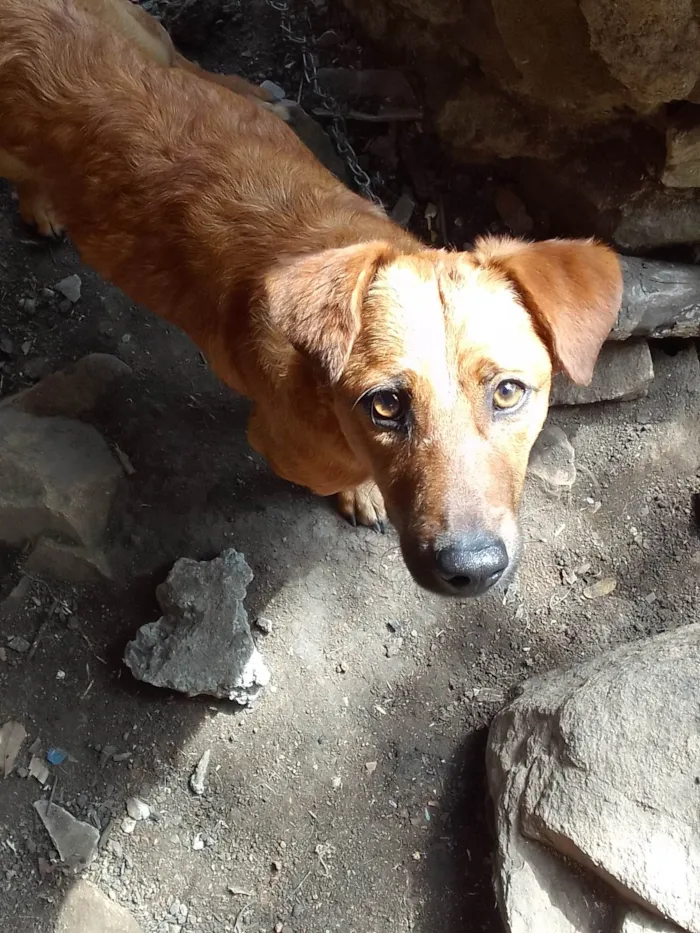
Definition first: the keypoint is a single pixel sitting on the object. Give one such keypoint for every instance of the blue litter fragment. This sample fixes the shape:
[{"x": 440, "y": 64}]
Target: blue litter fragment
[{"x": 56, "y": 756}]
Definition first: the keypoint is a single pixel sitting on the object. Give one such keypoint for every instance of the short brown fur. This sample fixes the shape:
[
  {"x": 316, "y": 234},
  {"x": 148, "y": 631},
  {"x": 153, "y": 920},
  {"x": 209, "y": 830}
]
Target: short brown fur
[{"x": 207, "y": 209}]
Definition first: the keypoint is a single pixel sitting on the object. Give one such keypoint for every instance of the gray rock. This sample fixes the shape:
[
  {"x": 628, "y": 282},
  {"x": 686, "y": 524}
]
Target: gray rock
[
  {"x": 659, "y": 299},
  {"x": 274, "y": 90},
  {"x": 85, "y": 909},
  {"x": 403, "y": 210},
  {"x": 315, "y": 138},
  {"x": 57, "y": 477},
  {"x": 137, "y": 809},
  {"x": 73, "y": 391},
  {"x": 639, "y": 921},
  {"x": 199, "y": 775},
  {"x": 682, "y": 168},
  {"x": 76, "y": 564},
  {"x": 599, "y": 764},
  {"x": 624, "y": 371},
  {"x": 75, "y": 840},
  {"x": 12, "y": 735},
  {"x": 202, "y": 642},
  {"x": 19, "y": 644},
  {"x": 70, "y": 288},
  {"x": 553, "y": 460}
]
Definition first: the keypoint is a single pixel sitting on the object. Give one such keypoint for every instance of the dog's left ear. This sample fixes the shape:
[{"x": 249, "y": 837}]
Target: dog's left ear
[
  {"x": 316, "y": 301},
  {"x": 572, "y": 289}
]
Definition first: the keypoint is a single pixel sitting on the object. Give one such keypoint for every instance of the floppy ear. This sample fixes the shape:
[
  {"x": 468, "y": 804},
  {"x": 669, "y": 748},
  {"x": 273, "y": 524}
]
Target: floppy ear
[
  {"x": 572, "y": 289},
  {"x": 316, "y": 301}
]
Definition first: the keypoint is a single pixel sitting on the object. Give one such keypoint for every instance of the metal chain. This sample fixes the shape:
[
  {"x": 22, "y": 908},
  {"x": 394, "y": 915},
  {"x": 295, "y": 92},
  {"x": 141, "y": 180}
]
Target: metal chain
[{"x": 338, "y": 128}]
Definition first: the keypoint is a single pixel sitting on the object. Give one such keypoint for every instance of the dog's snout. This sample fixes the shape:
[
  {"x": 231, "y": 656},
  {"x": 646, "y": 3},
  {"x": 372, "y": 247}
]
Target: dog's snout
[{"x": 472, "y": 563}]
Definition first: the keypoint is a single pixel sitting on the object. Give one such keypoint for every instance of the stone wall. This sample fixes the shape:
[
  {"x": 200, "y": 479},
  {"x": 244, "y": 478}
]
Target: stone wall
[{"x": 547, "y": 79}]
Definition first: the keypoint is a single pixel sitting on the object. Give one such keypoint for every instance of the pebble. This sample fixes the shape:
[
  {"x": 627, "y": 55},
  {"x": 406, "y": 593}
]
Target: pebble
[
  {"x": 128, "y": 825},
  {"x": 403, "y": 210},
  {"x": 137, "y": 809},
  {"x": 274, "y": 90},
  {"x": 19, "y": 644},
  {"x": 602, "y": 587},
  {"x": 7, "y": 346},
  {"x": 200, "y": 773},
  {"x": 264, "y": 624},
  {"x": 179, "y": 911},
  {"x": 70, "y": 288}
]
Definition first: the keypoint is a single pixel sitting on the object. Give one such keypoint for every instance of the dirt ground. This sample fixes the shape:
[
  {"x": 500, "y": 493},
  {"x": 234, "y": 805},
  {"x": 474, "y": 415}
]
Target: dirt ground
[{"x": 352, "y": 796}]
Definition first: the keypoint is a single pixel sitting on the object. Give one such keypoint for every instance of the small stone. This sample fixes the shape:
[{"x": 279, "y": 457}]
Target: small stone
[
  {"x": 553, "y": 460},
  {"x": 264, "y": 624},
  {"x": 137, "y": 809},
  {"x": 19, "y": 644},
  {"x": 128, "y": 825},
  {"x": 274, "y": 90},
  {"x": 30, "y": 305},
  {"x": 603, "y": 587},
  {"x": 198, "y": 843},
  {"x": 403, "y": 210},
  {"x": 70, "y": 288},
  {"x": 7, "y": 346},
  {"x": 12, "y": 735},
  {"x": 200, "y": 772},
  {"x": 370, "y": 766}
]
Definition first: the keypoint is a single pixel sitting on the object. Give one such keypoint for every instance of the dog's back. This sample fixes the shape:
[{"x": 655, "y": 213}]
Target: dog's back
[{"x": 172, "y": 187}]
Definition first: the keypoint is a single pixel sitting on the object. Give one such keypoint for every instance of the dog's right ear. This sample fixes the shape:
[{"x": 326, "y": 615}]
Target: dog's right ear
[{"x": 316, "y": 301}]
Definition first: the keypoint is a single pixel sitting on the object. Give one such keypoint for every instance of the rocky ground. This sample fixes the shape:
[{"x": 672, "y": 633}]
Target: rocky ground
[{"x": 352, "y": 795}]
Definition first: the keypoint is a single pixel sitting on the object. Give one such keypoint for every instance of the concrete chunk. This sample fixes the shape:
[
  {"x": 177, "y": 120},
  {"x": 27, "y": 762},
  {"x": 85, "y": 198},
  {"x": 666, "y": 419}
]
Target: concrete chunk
[{"x": 202, "y": 642}]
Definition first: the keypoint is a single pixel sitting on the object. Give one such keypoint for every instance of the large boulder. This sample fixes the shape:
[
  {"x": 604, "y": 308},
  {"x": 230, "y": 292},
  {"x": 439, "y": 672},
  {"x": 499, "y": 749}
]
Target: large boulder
[{"x": 595, "y": 777}]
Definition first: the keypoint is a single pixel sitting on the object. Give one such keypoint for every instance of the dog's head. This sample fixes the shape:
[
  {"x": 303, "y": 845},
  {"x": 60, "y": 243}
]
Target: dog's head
[{"x": 440, "y": 366}]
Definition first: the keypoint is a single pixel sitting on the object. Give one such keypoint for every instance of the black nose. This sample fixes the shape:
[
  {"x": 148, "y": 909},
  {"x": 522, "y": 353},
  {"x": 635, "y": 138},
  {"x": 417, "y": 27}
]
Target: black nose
[{"x": 471, "y": 563}]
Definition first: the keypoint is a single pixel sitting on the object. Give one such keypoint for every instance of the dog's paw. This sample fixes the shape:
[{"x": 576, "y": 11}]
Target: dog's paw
[
  {"x": 363, "y": 505},
  {"x": 36, "y": 211}
]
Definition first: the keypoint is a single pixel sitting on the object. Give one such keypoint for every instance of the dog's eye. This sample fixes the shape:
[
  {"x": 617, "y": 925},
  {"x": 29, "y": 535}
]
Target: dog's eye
[
  {"x": 387, "y": 408},
  {"x": 508, "y": 395}
]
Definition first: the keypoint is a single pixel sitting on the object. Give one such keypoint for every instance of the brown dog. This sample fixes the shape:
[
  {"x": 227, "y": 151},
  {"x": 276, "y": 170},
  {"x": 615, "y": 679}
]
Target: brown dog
[
  {"x": 380, "y": 370},
  {"x": 146, "y": 35}
]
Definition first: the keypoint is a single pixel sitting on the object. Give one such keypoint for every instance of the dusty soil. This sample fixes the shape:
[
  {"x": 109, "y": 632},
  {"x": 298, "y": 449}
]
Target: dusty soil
[{"x": 352, "y": 796}]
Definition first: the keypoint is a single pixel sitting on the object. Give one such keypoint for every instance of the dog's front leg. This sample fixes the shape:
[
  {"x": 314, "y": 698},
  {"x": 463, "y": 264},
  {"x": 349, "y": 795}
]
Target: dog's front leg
[
  {"x": 34, "y": 204},
  {"x": 363, "y": 505},
  {"x": 293, "y": 454}
]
